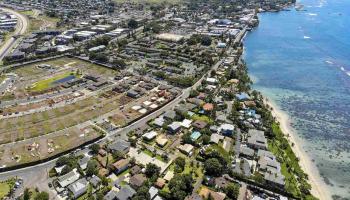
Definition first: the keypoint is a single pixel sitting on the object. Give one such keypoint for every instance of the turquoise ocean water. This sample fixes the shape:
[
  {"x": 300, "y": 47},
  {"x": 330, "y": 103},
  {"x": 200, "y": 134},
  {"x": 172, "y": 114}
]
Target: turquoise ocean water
[{"x": 301, "y": 60}]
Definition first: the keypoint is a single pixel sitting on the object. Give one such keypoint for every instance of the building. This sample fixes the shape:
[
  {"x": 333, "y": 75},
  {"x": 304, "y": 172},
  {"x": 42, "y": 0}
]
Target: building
[
  {"x": 212, "y": 81},
  {"x": 83, "y": 162},
  {"x": 119, "y": 145},
  {"x": 68, "y": 178},
  {"x": 120, "y": 166},
  {"x": 95, "y": 181},
  {"x": 174, "y": 127},
  {"x": 275, "y": 179},
  {"x": 246, "y": 152},
  {"x": 78, "y": 188},
  {"x": 153, "y": 192},
  {"x": 137, "y": 180},
  {"x": 149, "y": 135},
  {"x": 159, "y": 121},
  {"x": 256, "y": 139},
  {"x": 125, "y": 193},
  {"x": 199, "y": 124},
  {"x": 226, "y": 129},
  {"x": 132, "y": 94},
  {"x": 161, "y": 141},
  {"x": 215, "y": 138},
  {"x": 169, "y": 115},
  {"x": 111, "y": 195},
  {"x": 186, "y": 149},
  {"x": 97, "y": 48}
]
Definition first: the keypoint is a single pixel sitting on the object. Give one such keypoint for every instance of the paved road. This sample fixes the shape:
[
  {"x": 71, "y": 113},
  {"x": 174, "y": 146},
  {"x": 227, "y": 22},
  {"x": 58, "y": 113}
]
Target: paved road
[
  {"x": 41, "y": 170},
  {"x": 22, "y": 25}
]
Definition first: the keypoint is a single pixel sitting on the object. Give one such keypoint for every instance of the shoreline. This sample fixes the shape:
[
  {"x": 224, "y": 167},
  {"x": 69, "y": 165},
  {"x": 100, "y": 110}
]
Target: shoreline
[{"x": 318, "y": 187}]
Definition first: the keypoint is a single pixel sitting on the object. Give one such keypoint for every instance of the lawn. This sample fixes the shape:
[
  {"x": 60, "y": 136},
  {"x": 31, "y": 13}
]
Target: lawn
[
  {"x": 47, "y": 83},
  {"x": 148, "y": 152},
  {"x": 4, "y": 190},
  {"x": 124, "y": 173},
  {"x": 202, "y": 118},
  {"x": 220, "y": 150}
]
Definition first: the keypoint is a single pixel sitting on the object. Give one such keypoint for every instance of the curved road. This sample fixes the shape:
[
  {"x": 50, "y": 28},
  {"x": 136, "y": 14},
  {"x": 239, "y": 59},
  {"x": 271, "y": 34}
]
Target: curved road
[{"x": 22, "y": 25}]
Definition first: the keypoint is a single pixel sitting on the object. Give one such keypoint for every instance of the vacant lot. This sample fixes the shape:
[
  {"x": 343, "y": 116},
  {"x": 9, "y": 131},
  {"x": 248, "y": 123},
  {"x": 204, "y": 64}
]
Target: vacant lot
[{"x": 44, "y": 147}]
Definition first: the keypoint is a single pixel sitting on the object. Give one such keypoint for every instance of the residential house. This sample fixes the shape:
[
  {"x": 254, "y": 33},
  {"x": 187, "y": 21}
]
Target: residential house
[
  {"x": 153, "y": 192},
  {"x": 186, "y": 149},
  {"x": 135, "y": 170},
  {"x": 95, "y": 181},
  {"x": 83, "y": 162},
  {"x": 199, "y": 124},
  {"x": 149, "y": 135},
  {"x": 246, "y": 152},
  {"x": 160, "y": 183},
  {"x": 125, "y": 193},
  {"x": 275, "y": 179},
  {"x": 256, "y": 139},
  {"x": 215, "y": 138},
  {"x": 78, "y": 188},
  {"x": 226, "y": 129},
  {"x": 137, "y": 180},
  {"x": 174, "y": 127},
  {"x": 111, "y": 195},
  {"x": 120, "y": 166},
  {"x": 119, "y": 145},
  {"x": 169, "y": 115},
  {"x": 68, "y": 178}
]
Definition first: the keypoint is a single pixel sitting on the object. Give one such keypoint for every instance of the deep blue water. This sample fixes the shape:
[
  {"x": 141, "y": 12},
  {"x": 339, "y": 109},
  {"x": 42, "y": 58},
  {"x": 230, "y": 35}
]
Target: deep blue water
[{"x": 301, "y": 60}]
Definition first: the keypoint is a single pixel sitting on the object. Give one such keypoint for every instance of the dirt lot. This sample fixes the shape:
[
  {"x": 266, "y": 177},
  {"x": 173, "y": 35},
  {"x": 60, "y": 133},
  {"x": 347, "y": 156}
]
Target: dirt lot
[{"x": 44, "y": 147}]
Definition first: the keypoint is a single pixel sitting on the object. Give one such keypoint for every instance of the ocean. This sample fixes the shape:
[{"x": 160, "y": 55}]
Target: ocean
[{"x": 301, "y": 61}]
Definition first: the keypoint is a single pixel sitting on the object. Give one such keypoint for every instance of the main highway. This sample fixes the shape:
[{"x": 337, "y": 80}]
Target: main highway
[{"x": 21, "y": 28}]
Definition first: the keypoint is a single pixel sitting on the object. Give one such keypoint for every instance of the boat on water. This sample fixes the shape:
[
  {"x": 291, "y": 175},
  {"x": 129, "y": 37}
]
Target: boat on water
[{"x": 299, "y": 7}]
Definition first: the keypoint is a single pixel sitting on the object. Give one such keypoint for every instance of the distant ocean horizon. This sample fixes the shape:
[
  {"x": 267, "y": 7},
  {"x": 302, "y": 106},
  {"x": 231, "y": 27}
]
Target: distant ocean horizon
[{"x": 301, "y": 61}]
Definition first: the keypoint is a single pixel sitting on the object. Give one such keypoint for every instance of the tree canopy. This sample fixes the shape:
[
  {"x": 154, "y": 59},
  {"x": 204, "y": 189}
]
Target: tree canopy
[
  {"x": 213, "y": 167},
  {"x": 152, "y": 170}
]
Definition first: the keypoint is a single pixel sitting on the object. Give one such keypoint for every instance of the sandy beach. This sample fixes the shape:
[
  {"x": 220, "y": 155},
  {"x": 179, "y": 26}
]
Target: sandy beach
[{"x": 319, "y": 188}]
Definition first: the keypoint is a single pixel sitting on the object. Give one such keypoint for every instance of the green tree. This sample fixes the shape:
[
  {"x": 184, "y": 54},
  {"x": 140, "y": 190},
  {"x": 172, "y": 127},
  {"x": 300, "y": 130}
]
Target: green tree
[
  {"x": 152, "y": 170},
  {"x": 95, "y": 148},
  {"x": 180, "y": 163},
  {"x": 206, "y": 40},
  {"x": 117, "y": 155},
  {"x": 186, "y": 138},
  {"x": 99, "y": 196},
  {"x": 133, "y": 24},
  {"x": 92, "y": 168},
  {"x": 42, "y": 196},
  {"x": 26, "y": 194},
  {"x": 213, "y": 167},
  {"x": 232, "y": 190},
  {"x": 142, "y": 193},
  {"x": 206, "y": 139},
  {"x": 180, "y": 186}
]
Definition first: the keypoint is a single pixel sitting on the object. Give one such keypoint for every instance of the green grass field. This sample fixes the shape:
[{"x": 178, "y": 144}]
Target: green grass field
[
  {"x": 202, "y": 118},
  {"x": 45, "y": 84},
  {"x": 4, "y": 190}
]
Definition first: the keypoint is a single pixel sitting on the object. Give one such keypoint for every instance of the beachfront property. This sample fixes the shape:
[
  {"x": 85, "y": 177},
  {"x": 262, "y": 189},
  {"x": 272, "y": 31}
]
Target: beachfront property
[{"x": 141, "y": 95}]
